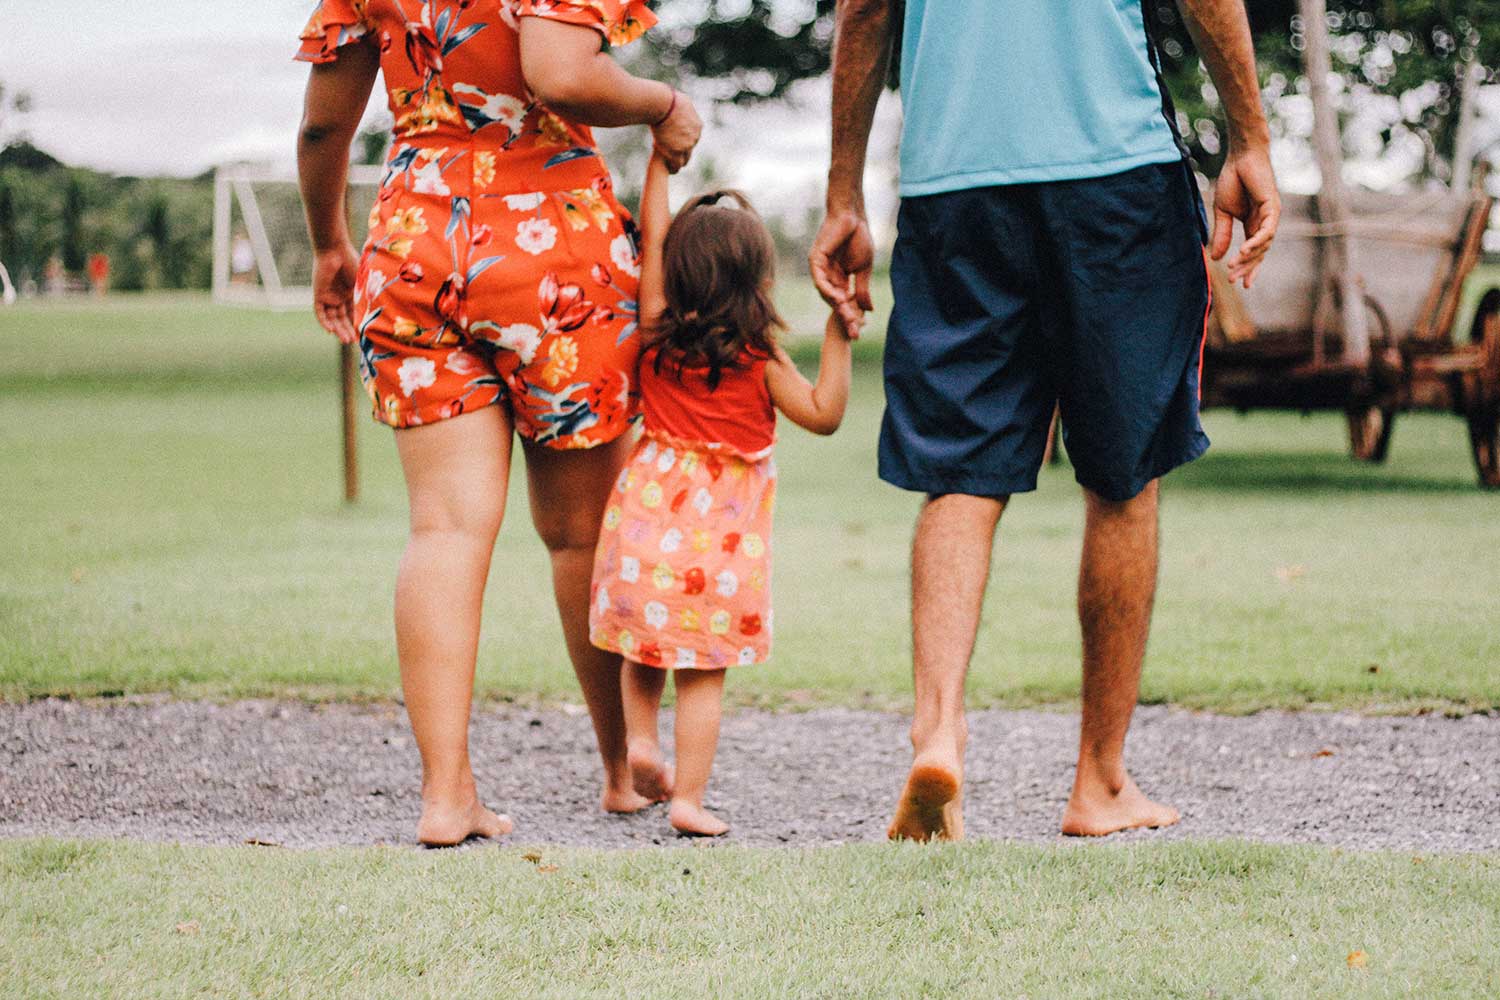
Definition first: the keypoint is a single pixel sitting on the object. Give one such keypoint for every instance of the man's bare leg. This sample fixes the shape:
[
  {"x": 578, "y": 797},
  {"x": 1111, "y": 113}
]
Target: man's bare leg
[
  {"x": 1116, "y": 588},
  {"x": 950, "y": 566}
]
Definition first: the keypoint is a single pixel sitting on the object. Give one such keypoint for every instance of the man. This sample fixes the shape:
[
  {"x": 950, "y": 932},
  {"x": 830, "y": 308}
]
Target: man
[{"x": 1048, "y": 252}]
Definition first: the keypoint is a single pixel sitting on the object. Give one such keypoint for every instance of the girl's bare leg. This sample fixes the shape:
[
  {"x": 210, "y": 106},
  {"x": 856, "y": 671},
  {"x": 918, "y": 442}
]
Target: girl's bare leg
[
  {"x": 568, "y": 492},
  {"x": 641, "y": 688},
  {"x": 456, "y": 474},
  {"x": 700, "y": 702}
]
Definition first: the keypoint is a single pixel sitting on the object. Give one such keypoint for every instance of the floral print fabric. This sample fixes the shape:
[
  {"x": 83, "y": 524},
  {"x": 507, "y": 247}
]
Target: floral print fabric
[
  {"x": 499, "y": 266},
  {"x": 682, "y": 575}
]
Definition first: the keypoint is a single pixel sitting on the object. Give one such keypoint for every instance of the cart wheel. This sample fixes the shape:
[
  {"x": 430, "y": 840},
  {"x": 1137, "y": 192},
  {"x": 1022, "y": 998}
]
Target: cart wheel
[
  {"x": 1484, "y": 403},
  {"x": 1370, "y": 430}
]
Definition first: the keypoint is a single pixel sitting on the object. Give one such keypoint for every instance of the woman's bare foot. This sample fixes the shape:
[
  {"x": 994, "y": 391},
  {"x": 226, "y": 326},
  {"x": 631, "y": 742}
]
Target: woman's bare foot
[
  {"x": 1095, "y": 810},
  {"x": 695, "y": 821},
  {"x": 650, "y": 774},
  {"x": 444, "y": 825},
  {"x": 931, "y": 805}
]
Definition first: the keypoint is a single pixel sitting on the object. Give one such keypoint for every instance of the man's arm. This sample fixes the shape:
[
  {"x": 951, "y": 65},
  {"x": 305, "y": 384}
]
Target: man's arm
[
  {"x": 1246, "y": 188},
  {"x": 843, "y": 249}
]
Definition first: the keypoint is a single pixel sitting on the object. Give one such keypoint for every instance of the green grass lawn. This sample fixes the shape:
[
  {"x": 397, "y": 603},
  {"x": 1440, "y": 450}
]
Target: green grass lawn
[
  {"x": 982, "y": 920},
  {"x": 174, "y": 524}
]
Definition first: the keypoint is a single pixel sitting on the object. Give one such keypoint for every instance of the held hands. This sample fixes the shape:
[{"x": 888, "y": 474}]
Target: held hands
[
  {"x": 842, "y": 255},
  {"x": 835, "y": 329},
  {"x": 1245, "y": 190},
  {"x": 677, "y": 133},
  {"x": 334, "y": 275}
]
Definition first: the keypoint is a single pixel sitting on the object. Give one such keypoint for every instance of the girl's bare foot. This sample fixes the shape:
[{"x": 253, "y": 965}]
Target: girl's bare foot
[
  {"x": 695, "y": 821},
  {"x": 622, "y": 799},
  {"x": 650, "y": 774},
  {"x": 1095, "y": 810},
  {"x": 443, "y": 825}
]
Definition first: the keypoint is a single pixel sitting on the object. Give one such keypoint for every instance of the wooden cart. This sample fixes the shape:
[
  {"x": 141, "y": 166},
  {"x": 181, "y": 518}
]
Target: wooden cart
[{"x": 1281, "y": 344}]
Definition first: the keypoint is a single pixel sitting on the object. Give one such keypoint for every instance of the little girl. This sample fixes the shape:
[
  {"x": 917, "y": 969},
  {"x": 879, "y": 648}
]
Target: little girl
[{"x": 682, "y": 576}]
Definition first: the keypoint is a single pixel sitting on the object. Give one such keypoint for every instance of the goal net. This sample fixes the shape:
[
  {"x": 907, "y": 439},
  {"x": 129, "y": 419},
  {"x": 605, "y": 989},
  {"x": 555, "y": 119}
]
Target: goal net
[{"x": 262, "y": 255}]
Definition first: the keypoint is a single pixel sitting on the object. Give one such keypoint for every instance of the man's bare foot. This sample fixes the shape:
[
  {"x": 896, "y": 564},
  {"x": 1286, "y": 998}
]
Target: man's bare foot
[
  {"x": 1094, "y": 810},
  {"x": 622, "y": 800},
  {"x": 931, "y": 804},
  {"x": 443, "y": 825},
  {"x": 650, "y": 774},
  {"x": 695, "y": 821}
]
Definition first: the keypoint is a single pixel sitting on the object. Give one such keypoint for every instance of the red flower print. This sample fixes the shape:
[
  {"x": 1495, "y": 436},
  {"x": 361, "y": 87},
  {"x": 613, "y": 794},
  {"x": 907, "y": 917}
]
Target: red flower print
[
  {"x": 603, "y": 315},
  {"x": 386, "y": 193},
  {"x": 564, "y": 307},
  {"x": 482, "y": 235},
  {"x": 601, "y": 275},
  {"x": 611, "y": 393},
  {"x": 385, "y": 42},
  {"x": 693, "y": 581},
  {"x": 650, "y": 654},
  {"x": 715, "y": 466},
  {"x": 449, "y": 301},
  {"x": 422, "y": 50},
  {"x": 731, "y": 541},
  {"x": 601, "y": 184},
  {"x": 411, "y": 272},
  {"x": 750, "y": 624}
]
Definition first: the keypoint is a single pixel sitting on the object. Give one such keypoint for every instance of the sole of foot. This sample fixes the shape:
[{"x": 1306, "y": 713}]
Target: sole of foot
[
  {"x": 446, "y": 826},
  {"x": 1099, "y": 814},
  {"x": 695, "y": 821},
  {"x": 650, "y": 775},
  {"x": 931, "y": 806}
]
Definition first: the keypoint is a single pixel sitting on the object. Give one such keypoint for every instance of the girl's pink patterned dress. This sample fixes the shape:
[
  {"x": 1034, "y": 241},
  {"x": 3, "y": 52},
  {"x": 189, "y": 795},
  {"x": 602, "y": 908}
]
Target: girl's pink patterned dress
[{"x": 682, "y": 575}]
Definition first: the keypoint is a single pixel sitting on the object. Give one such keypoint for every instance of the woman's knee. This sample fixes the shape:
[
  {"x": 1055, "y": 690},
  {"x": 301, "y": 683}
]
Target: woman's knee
[
  {"x": 568, "y": 529},
  {"x": 476, "y": 518}
]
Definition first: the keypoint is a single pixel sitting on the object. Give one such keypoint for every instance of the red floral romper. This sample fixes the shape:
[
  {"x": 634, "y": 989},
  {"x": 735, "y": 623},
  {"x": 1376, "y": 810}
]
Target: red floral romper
[{"x": 499, "y": 267}]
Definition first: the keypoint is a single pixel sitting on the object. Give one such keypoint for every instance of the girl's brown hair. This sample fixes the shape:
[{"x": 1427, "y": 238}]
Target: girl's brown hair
[{"x": 718, "y": 262}]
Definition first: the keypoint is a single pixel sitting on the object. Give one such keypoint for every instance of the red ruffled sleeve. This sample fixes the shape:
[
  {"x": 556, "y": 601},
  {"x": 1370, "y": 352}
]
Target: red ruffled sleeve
[
  {"x": 619, "y": 21},
  {"x": 335, "y": 23}
]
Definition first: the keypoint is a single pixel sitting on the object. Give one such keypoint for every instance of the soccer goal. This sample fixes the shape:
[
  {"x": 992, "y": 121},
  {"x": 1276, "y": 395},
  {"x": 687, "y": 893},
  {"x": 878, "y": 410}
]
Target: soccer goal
[{"x": 262, "y": 256}]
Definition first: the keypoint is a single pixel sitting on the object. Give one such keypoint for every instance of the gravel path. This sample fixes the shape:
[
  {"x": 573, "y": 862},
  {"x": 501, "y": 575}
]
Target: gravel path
[{"x": 302, "y": 775}]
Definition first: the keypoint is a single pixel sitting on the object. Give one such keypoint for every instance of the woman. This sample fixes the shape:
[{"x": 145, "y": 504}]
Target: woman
[{"x": 495, "y": 295}]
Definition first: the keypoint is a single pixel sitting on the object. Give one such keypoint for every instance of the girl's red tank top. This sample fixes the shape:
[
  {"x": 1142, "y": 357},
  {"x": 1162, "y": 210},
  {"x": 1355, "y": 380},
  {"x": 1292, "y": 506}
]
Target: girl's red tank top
[{"x": 737, "y": 412}]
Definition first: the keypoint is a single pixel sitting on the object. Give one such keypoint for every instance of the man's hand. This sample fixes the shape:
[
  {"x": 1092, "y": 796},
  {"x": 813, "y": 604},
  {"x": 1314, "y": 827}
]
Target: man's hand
[
  {"x": 843, "y": 251},
  {"x": 334, "y": 274},
  {"x": 676, "y": 136},
  {"x": 1245, "y": 190}
]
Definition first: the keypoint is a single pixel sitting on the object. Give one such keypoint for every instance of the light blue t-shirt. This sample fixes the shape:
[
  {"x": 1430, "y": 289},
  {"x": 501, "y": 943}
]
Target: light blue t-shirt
[{"x": 1016, "y": 91}]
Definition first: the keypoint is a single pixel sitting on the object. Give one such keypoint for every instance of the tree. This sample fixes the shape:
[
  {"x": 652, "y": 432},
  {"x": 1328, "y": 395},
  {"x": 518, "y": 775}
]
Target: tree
[
  {"x": 1400, "y": 61},
  {"x": 74, "y": 253}
]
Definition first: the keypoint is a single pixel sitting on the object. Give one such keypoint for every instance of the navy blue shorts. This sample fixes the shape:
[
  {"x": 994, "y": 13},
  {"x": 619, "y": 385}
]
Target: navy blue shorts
[{"x": 1010, "y": 300}]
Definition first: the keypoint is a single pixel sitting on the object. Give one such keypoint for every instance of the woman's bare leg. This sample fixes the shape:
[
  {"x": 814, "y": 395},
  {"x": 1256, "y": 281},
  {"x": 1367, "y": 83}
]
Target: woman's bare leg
[
  {"x": 641, "y": 688},
  {"x": 456, "y": 474},
  {"x": 568, "y": 492},
  {"x": 700, "y": 703}
]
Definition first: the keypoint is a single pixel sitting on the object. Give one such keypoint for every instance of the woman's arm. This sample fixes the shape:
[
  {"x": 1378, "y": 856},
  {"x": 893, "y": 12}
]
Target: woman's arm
[
  {"x": 656, "y": 216},
  {"x": 819, "y": 408},
  {"x": 336, "y": 96},
  {"x": 567, "y": 69}
]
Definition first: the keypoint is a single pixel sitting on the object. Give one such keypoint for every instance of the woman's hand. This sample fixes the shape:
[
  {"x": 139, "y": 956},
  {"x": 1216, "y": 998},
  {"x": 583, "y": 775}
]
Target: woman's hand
[
  {"x": 677, "y": 134},
  {"x": 334, "y": 274}
]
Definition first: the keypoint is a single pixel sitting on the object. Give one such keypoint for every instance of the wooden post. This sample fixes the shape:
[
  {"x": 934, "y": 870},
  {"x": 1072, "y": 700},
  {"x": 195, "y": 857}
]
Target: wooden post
[
  {"x": 349, "y": 396},
  {"x": 1333, "y": 206}
]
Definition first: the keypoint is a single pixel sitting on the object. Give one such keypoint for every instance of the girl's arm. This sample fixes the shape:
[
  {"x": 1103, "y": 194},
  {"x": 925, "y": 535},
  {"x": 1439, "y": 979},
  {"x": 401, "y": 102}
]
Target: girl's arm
[
  {"x": 656, "y": 216},
  {"x": 336, "y": 96},
  {"x": 567, "y": 69},
  {"x": 820, "y": 407}
]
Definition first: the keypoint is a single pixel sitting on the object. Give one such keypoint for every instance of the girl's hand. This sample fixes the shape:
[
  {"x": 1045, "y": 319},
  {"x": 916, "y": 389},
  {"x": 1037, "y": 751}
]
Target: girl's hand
[
  {"x": 677, "y": 134},
  {"x": 838, "y": 327},
  {"x": 334, "y": 274}
]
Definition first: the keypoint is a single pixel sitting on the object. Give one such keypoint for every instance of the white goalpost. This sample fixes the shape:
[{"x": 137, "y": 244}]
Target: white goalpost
[
  {"x": 262, "y": 257},
  {"x": 261, "y": 254}
]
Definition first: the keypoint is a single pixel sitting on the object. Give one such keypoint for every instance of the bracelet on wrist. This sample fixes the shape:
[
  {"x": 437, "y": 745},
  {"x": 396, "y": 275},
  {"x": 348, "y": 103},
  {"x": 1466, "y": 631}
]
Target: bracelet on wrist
[{"x": 670, "y": 108}]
